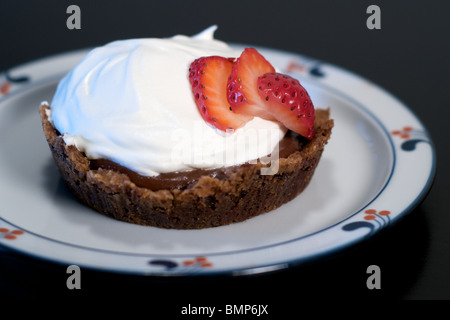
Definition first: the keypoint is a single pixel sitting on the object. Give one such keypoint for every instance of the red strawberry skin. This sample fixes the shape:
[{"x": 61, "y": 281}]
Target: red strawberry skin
[
  {"x": 209, "y": 77},
  {"x": 242, "y": 91},
  {"x": 230, "y": 92},
  {"x": 288, "y": 102}
]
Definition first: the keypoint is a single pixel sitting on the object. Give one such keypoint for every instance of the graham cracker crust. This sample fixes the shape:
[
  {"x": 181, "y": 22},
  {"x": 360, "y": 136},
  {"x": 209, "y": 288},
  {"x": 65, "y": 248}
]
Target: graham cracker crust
[{"x": 210, "y": 202}]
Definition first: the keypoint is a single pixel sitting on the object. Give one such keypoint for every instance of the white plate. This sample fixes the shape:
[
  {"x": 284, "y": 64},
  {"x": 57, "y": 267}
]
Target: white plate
[{"x": 377, "y": 166}]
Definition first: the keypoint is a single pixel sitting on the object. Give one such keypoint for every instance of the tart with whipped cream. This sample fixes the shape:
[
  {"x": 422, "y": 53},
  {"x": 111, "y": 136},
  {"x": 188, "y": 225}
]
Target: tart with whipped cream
[{"x": 183, "y": 132}]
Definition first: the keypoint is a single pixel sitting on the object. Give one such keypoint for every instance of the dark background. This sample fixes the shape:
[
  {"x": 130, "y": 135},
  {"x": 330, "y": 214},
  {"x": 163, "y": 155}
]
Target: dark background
[{"x": 409, "y": 57}]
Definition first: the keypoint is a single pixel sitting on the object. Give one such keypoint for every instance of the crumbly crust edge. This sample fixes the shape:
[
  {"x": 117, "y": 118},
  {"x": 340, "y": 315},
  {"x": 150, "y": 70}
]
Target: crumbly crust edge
[{"x": 209, "y": 202}]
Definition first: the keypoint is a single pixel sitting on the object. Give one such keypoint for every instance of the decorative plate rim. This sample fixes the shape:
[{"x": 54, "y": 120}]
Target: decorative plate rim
[{"x": 306, "y": 69}]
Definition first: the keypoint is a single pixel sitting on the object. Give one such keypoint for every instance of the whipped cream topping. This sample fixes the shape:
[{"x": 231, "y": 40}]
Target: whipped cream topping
[{"x": 130, "y": 101}]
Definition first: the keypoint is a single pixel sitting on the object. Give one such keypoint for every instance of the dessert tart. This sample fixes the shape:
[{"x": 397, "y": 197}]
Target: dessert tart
[{"x": 129, "y": 147}]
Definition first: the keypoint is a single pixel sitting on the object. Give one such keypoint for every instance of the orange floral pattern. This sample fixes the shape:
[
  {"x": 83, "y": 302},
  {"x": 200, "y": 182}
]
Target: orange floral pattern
[
  {"x": 201, "y": 262},
  {"x": 404, "y": 133},
  {"x": 4, "y": 88},
  {"x": 8, "y": 234},
  {"x": 187, "y": 265},
  {"x": 371, "y": 214},
  {"x": 411, "y": 137},
  {"x": 311, "y": 67},
  {"x": 372, "y": 220}
]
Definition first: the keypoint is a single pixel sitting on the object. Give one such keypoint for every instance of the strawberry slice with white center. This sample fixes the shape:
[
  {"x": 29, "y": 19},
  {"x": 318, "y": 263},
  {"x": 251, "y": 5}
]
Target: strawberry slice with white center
[
  {"x": 242, "y": 84},
  {"x": 229, "y": 93},
  {"x": 255, "y": 89},
  {"x": 288, "y": 102},
  {"x": 209, "y": 77}
]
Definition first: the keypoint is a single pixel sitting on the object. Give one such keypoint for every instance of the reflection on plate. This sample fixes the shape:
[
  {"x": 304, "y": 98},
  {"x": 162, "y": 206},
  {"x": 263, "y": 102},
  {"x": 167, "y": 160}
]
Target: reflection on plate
[{"x": 377, "y": 166}]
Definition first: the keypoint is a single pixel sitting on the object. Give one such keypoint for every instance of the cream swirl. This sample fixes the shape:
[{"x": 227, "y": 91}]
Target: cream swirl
[{"x": 130, "y": 101}]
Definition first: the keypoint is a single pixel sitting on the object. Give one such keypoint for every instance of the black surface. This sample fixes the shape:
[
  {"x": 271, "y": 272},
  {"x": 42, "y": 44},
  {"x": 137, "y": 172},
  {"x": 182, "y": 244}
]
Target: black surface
[{"x": 408, "y": 56}]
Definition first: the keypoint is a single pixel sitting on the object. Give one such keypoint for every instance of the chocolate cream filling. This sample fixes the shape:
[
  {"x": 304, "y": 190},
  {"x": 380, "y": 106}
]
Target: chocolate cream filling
[{"x": 290, "y": 143}]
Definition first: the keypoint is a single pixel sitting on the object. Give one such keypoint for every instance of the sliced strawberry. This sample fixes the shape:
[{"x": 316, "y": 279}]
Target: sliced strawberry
[
  {"x": 288, "y": 102},
  {"x": 242, "y": 84},
  {"x": 208, "y": 77}
]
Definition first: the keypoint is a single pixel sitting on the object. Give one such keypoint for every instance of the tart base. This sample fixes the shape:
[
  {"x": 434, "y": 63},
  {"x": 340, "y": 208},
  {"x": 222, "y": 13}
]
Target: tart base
[{"x": 210, "y": 202}]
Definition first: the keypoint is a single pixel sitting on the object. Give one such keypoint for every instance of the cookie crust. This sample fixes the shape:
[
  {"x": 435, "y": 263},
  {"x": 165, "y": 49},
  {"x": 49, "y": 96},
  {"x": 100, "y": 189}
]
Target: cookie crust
[{"x": 210, "y": 202}]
